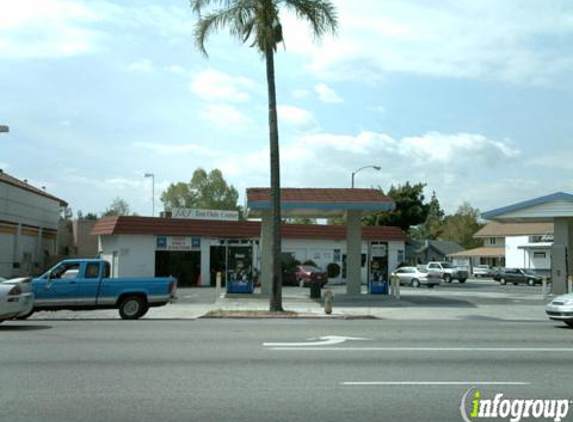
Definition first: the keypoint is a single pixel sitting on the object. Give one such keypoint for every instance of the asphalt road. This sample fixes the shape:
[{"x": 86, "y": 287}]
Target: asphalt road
[{"x": 227, "y": 370}]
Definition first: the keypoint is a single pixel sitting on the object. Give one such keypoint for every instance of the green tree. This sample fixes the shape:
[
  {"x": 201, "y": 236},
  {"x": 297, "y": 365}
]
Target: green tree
[
  {"x": 410, "y": 208},
  {"x": 258, "y": 21},
  {"x": 461, "y": 226},
  {"x": 205, "y": 190},
  {"x": 117, "y": 207},
  {"x": 431, "y": 229}
]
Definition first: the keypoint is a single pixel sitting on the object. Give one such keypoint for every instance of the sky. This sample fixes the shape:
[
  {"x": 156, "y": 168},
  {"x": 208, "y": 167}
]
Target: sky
[{"x": 473, "y": 98}]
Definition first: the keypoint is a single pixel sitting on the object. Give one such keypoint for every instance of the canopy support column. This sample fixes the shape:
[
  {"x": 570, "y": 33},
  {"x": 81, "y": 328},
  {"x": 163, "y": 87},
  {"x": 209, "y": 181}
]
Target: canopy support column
[
  {"x": 562, "y": 254},
  {"x": 354, "y": 253}
]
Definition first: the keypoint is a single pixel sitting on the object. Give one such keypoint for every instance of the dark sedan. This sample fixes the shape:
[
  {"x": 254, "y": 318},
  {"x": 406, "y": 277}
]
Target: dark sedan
[{"x": 517, "y": 276}]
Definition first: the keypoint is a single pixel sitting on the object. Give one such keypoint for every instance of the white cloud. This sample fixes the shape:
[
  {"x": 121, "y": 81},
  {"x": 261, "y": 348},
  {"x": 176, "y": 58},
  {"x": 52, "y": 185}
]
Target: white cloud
[
  {"x": 32, "y": 29},
  {"x": 300, "y": 93},
  {"x": 213, "y": 85},
  {"x": 562, "y": 160},
  {"x": 123, "y": 184},
  {"x": 327, "y": 94},
  {"x": 143, "y": 66},
  {"x": 297, "y": 117},
  {"x": 174, "y": 69},
  {"x": 223, "y": 116},
  {"x": 379, "y": 109},
  {"x": 507, "y": 40},
  {"x": 439, "y": 159},
  {"x": 51, "y": 28},
  {"x": 175, "y": 149}
]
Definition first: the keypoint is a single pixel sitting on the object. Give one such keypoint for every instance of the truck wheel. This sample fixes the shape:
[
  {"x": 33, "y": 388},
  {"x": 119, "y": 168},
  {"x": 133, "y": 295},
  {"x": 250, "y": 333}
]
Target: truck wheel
[
  {"x": 25, "y": 316},
  {"x": 462, "y": 280},
  {"x": 132, "y": 307},
  {"x": 502, "y": 281},
  {"x": 447, "y": 278}
]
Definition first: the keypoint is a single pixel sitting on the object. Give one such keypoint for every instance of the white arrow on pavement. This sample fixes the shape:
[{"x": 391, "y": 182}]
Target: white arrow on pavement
[{"x": 322, "y": 341}]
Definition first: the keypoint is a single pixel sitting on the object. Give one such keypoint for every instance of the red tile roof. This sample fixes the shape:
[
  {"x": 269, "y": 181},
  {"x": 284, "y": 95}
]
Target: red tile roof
[
  {"x": 233, "y": 229},
  {"x": 11, "y": 180},
  {"x": 327, "y": 196}
]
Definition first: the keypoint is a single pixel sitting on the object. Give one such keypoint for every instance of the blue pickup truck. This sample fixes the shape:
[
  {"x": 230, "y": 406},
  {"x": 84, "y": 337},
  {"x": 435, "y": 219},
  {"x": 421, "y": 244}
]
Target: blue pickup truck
[{"x": 85, "y": 284}]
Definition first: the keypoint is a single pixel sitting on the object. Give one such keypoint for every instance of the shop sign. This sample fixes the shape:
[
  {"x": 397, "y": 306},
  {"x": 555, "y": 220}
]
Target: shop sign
[
  {"x": 201, "y": 214},
  {"x": 379, "y": 250},
  {"x": 177, "y": 243}
]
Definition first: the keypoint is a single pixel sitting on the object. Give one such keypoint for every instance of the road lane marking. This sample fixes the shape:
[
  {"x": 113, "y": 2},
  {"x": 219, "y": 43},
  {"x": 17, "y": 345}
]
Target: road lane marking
[
  {"x": 437, "y": 383},
  {"x": 422, "y": 349},
  {"x": 322, "y": 341}
]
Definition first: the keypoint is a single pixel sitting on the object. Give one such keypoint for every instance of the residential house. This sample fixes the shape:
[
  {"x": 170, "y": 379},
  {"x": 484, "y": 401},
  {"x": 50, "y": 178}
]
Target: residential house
[
  {"x": 424, "y": 251},
  {"x": 512, "y": 245}
]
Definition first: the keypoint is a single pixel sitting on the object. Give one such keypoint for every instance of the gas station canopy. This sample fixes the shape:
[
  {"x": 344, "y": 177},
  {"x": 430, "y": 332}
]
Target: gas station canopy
[
  {"x": 543, "y": 209},
  {"x": 556, "y": 208},
  {"x": 318, "y": 203}
]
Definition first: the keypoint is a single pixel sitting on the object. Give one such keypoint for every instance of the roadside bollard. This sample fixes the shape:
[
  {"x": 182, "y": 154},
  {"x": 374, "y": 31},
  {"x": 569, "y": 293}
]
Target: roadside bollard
[
  {"x": 396, "y": 281},
  {"x": 544, "y": 292},
  {"x": 392, "y": 286},
  {"x": 328, "y": 297},
  {"x": 218, "y": 286},
  {"x": 570, "y": 284}
]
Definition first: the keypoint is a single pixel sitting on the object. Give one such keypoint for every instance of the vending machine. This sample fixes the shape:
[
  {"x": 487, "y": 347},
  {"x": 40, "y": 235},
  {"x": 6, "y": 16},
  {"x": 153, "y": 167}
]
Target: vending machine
[{"x": 378, "y": 268}]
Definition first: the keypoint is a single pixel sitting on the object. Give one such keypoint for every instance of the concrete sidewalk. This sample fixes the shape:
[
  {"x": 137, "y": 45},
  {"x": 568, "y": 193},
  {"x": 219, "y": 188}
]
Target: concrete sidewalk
[{"x": 413, "y": 305}]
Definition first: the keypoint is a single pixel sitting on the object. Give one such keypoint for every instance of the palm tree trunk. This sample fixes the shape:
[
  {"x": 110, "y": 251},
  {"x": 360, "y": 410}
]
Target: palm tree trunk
[{"x": 276, "y": 304}]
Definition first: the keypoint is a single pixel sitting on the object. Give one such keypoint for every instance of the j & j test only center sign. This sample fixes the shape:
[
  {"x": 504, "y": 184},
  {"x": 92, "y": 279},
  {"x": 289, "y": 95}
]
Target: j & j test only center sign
[{"x": 200, "y": 214}]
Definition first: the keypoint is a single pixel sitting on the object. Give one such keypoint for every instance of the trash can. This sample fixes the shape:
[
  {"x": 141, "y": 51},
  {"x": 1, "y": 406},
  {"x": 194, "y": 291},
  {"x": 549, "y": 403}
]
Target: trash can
[{"x": 315, "y": 289}]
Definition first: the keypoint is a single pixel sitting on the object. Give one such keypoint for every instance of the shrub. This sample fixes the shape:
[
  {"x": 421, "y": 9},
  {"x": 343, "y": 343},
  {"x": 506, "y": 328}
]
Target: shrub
[
  {"x": 310, "y": 262},
  {"x": 333, "y": 270}
]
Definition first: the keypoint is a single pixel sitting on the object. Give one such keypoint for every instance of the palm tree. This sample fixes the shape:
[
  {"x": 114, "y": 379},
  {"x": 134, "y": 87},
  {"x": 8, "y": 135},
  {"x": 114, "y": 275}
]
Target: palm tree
[{"x": 259, "y": 22}]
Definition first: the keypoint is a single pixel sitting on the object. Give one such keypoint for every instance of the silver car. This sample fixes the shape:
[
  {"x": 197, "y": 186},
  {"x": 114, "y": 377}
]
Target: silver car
[
  {"x": 415, "y": 277},
  {"x": 561, "y": 309},
  {"x": 481, "y": 271},
  {"x": 16, "y": 298}
]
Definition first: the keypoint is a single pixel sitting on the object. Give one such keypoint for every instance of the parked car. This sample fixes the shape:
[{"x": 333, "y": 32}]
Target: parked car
[
  {"x": 482, "y": 271},
  {"x": 415, "y": 277},
  {"x": 448, "y": 271},
  {"x": 516, "y": 276},
  {"x": 16, "y": 298},
  {"x": 84, "y": 284},
  {"x": 561, "y": 309},
  {"x": 306, "y": 273}
]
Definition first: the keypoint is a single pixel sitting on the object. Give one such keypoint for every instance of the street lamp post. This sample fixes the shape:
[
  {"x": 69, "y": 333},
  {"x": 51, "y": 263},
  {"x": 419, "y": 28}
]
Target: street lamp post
[
  {"x": 362, "y": 168},
  {"x": 152, "y": 192},
  {"x": 4, "y": 129}
]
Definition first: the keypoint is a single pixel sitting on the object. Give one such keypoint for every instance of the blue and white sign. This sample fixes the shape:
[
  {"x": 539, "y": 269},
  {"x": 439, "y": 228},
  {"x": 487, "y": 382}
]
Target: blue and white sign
[{"x": 177, "y": 243}]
